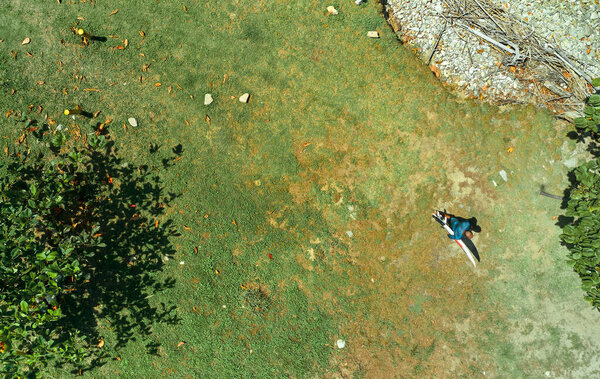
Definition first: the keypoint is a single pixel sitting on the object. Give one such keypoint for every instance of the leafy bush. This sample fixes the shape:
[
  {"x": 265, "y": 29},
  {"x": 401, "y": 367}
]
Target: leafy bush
[
  {"x": 48, "y": 205},
  {"x": 582, "y": 236},
  {"x": 591, "y": 120}
]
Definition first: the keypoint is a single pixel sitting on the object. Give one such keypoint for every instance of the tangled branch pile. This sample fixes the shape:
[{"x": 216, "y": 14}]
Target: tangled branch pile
[{"x": 566, "y": 81}]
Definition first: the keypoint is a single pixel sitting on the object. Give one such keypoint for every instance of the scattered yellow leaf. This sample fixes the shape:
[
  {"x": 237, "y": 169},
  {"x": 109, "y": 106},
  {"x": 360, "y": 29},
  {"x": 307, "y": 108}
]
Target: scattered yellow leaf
[
  {"x": 306, "y": 144},
  {"x": 234, "y": 223},
  {"x": 26, "y": 41},
  {"x": 195, "y": 247},
  {"x": 156, "y": 224},
  {"x": 170, "y": 89},
  {"x": 184, "y": 8},
  {"x": 510, "y": 150},
  {"x": 29, "y": 54},
  {"x": 187, "y": 228},
  {"x": 91, "y": 89},
  {"x": 157, "y": 84},
  {"x": 9, "y": 113},
  {"x": 114, "y": 12},
  {"x": 207, "y": 118},
  {"x": 126, "y": 42},
  {"x": 225, "y": 77},
  {"x": 120, "y": 47},
  {"x": 186, "y": 122},
  {"x": 178, "y": 86},
  {"x": 180, "y": 344},
  {"x": 177, "y": 159},
  {"x": 217, "y": 271},
  {"x": 100, "y": 343},
  {"x": 142, "y": 33},
  {"x": 554, "y": 218}
]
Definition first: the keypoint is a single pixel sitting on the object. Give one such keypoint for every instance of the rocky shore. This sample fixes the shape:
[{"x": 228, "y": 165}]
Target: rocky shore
[{"x": 544, "y": 52}]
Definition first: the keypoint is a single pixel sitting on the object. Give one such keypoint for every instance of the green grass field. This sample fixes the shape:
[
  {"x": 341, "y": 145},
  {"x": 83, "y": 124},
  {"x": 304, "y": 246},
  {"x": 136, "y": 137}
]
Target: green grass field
[{"x": 310, "y": 205}]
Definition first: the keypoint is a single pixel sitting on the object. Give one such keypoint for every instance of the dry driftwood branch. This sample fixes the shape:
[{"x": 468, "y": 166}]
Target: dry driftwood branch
[
  {"x": 489, "y": 39},
  {"x": 437, "y": 42}
]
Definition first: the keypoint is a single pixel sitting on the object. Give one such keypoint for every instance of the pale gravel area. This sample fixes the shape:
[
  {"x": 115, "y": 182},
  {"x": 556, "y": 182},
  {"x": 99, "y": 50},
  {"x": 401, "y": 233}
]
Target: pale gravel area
[{"x": 474, "y": 66}]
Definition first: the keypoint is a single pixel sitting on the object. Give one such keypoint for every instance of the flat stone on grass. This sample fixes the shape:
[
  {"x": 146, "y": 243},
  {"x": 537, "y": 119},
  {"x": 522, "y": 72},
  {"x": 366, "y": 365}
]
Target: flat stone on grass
[
  {"x": 331, "y": 9},
  {"x": 373, "y": 34},
  {"x": 208, "y": 99},
  {"x": 244, "y": 98},
  {"x": 132, "y": 121}
]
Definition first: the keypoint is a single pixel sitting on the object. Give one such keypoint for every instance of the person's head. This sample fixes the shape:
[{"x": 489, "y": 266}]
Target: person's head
[{"x": 469, "y": 234}]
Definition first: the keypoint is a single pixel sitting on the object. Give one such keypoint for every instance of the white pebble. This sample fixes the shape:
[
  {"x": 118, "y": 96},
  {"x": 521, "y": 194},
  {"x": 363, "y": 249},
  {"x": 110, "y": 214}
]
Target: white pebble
[
  {"x": 503, "y": 175},
  {"x": 340, "y": 344},
  {"x": 208, "y": 99},
  {"x": 132, "y": 121},
  {"x": 349, "y": 233},
  {"x": 244, "y": 98}
]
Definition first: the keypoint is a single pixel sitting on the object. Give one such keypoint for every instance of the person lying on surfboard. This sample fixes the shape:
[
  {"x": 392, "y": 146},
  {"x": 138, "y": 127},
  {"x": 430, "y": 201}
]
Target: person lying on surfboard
[{"x": 460, "y": 227}]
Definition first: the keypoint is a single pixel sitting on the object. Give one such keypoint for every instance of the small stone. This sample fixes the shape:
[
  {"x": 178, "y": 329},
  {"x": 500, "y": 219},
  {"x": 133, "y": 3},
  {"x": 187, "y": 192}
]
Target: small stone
[
  {"x": 340, "y": 344},
  {"x": 208, "y": 99},
  {"x": 132, "y": 121},
  {"x": 571, "y": 162},
  {"x": 244, "y": 98},
  {"x": 503, "y": 175},
  {"x": 224, "y": 306},
  {"x": 331, "y": 9},
  {"x": 349, "y": 233},
  {"x": 182, "y": 263},
  {"x": 373, "y": 34}
]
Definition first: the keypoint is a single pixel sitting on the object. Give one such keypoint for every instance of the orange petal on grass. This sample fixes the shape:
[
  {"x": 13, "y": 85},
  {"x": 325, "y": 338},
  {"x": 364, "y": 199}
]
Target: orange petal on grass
[
  {"x": 114, "y": 12},
  {"x": 157, "y": 84},
  {"x": 180, "y": 344}
]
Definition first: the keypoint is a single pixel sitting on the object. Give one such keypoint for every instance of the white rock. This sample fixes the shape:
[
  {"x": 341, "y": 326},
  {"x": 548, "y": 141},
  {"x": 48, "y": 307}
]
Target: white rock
[
  {"x": 503, "y": 175},
  {"x": 349, "y": 233},
  {"x": 244, "y": 98},
  {"x": 340, "y": 344},
  {"x": 331, "y": 9},
  {"x": 208, "y": 99},
  {"x": 132, "y": 121},
  {"x": 182, "y": 263},
  {"x": 373, "y": 34}
]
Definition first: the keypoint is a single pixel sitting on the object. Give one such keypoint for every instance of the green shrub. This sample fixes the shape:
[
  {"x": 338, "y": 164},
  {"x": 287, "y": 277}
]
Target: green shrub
[
  {"x": 48, "y": 205},
  {"x": 591, "y": 120},
  {"x": 582, "y": 236}
]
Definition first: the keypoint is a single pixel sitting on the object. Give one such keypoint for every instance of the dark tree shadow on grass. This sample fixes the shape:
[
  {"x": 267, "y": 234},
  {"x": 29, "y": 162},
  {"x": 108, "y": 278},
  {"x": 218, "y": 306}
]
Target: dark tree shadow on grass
[{"x": 124, "y": 275}]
